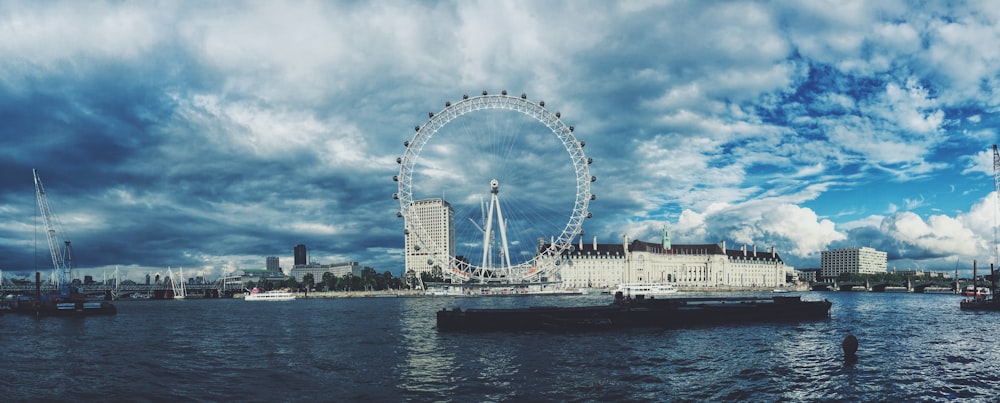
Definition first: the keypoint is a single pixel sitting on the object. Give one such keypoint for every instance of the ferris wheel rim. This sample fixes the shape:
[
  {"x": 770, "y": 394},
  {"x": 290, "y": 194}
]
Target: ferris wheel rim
[{"x": 539, "y": 113}]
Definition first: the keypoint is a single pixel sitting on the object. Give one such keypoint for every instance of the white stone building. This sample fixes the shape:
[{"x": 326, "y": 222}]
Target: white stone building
[{"x": 697, "y": 266}]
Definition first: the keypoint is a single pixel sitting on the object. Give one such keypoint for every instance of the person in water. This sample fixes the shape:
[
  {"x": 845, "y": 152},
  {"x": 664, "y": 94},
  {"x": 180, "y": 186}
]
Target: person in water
[{"x": 850, "y": 346}]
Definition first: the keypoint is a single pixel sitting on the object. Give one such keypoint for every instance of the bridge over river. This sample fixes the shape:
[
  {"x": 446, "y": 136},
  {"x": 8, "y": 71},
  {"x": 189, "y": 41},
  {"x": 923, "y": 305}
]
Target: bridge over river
[
  {"x": 917, "y": 286},
  {"x": 216, "y": 289}
]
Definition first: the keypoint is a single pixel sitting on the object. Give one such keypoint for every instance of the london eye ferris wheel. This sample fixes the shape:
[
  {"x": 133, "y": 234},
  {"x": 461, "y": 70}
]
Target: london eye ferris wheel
[{"x": 513, "y": 171}]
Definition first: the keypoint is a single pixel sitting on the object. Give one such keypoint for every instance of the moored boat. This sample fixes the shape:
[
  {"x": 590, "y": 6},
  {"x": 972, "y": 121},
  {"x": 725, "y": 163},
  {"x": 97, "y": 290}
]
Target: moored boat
[
  {"x": 646, "y": 289},
  {"x": 276, "y": 295},
  {"x": 628, "y": 313},
  {"x": 981, "y": 300}
]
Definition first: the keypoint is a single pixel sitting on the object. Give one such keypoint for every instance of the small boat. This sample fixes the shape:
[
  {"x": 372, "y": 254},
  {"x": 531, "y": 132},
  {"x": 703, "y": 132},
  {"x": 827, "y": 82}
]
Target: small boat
[
  {"x": 982, "y": 299},
  {"x": 938, "y": 290},
  {"x": 645, "y": 289},
  {"x": 633, "y": 313},
  {"x": 970, "y": 291},
  {"x": 277, "y": 295}
]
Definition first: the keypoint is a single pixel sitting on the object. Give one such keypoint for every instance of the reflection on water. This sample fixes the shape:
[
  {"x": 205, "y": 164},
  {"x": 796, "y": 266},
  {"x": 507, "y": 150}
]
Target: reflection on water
[{"x": 912, "y": 347}]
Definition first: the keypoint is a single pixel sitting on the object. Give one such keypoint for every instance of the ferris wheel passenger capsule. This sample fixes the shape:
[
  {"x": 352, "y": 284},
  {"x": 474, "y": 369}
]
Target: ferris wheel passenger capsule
[
  {"x": 589, "y": 160},
  {"x": 465, "y": 96},
  {"x": 447, "y": 104},
  {"x": 430, "y": 115},
  {"x": 593, "y": 179},
  {"x": 558, "y": 115},
  {"x": 395, "y": 178},
  {"x": 503, "y": 92},
  {"x": 406, "y": 143},
  {"x": 583, "y": 144},
  {"x": 590, "y": 215},
  {"x": 541, "y": 103},
  {"x": 593, "y": 197},
  {"x": 571, "y": 128},
  {"x": 484, "y": 92},
  {"x": 524, "y": 96},
  {"x": 399, "y": 214},
  {"x": 399, "y": 160},
  {"x": 416, "y": 128},
  {"x": 395, "y": 196}
]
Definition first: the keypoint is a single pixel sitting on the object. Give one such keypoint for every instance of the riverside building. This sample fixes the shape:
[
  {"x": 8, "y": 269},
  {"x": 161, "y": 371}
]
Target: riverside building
[
  {"x": 857, "y": 260},
  {"x": 318, "y": 270},
  {"x": 687, "y": 267},
  {"x": 436, "y": 220}
]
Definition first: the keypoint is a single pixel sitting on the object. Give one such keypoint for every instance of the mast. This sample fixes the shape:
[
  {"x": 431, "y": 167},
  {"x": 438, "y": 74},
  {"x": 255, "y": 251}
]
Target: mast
[{"x": 60, "y": 268}]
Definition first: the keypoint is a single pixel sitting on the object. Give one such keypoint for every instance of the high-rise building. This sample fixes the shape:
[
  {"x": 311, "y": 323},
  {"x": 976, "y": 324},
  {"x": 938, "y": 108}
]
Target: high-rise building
[
  {"x": 272, "y": 263},
  {"x": 300, "y": 255},
  {"x": 435, "y": 244},
  {"x": 861, "y": 260}
]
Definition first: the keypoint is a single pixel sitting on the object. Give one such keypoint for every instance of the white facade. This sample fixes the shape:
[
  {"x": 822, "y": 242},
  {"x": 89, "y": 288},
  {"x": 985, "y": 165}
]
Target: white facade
[
  {"x": 860, "y": 260},
  {"x": 436, "y": 220},
  {"x": 684, "y": 266}
]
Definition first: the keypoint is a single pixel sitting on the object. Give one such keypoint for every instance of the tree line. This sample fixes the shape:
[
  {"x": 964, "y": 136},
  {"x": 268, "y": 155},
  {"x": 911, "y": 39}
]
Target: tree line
[{"x": 368, "y": 281}]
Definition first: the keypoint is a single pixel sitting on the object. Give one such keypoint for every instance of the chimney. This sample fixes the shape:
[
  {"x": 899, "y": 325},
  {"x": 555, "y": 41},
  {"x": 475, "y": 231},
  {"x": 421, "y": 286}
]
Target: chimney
[
  {"x": 755, "y": 250},
  {"x": 744, "y": 250},
  {"x": 723, "y": 247},
  {"x": 595, "y": 242}
]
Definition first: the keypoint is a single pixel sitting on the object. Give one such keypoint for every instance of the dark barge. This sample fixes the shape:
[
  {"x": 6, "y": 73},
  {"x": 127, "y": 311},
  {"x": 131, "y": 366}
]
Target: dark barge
[
  {"x": 626, "y": 313},
  {"x": 67, "y": 302}
]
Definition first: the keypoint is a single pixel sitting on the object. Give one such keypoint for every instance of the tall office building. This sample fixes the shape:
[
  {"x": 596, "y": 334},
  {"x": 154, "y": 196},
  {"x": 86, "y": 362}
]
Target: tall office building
[
  {"x": 862, "y": 260},
  {"x": 436, "y": 220},
  {"x": 272, "y": 263},
  {"x": 300, "y": 255}
]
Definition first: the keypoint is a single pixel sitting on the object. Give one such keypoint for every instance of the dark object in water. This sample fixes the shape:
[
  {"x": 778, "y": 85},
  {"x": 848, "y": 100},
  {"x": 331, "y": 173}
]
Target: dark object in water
[
  {"x": 666, "y": 313},
  {"x": 850, "y": 346}
]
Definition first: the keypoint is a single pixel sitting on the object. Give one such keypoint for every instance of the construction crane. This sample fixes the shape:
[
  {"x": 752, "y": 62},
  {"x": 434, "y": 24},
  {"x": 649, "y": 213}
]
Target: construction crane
[
  {"x": 61, "y": 259},
  {"x": 996, "y": 201}
]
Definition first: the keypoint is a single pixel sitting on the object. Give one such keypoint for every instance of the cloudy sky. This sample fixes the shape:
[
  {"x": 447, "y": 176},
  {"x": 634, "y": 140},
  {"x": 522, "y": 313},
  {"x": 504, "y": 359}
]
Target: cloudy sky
[{"x": 209, "y": 135}]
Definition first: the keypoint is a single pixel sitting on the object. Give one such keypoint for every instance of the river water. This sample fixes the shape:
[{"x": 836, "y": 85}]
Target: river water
[{"x": 912, "y": 347}]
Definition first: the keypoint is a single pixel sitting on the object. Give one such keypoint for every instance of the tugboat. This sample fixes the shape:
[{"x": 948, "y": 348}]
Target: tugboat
[
  {"x": 982, "y": 301},
  {"x": 626, "y": 313}
]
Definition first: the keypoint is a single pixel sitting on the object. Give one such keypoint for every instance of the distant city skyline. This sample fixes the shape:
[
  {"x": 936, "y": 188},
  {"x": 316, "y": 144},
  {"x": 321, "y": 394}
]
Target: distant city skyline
[{"x": 209, "y": 136}]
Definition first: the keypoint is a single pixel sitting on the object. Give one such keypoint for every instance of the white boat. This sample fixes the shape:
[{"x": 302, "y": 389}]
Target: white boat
[
  {"x": 646, "y": 289},
  {"x": 257, "y": 295},
  {"x": 938, "y": 290}
]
